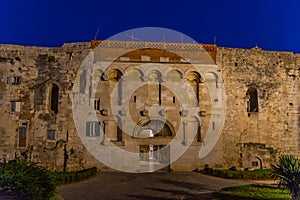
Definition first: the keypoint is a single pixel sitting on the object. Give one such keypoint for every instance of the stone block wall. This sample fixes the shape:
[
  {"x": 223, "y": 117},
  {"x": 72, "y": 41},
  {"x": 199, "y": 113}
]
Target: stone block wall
[
  {"x": 275, "y": 76},
  {"x": 37, "y": 127},
  {"x": 28, "y": 75}
]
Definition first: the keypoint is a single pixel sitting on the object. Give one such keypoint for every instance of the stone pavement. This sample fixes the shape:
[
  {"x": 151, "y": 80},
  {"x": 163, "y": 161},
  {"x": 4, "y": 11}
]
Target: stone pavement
[{"x": 158, "y": 185}]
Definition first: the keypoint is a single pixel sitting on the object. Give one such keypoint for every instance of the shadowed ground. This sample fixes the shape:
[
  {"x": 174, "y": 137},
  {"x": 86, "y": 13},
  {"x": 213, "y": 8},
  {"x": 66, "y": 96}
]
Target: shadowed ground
[{"x": 158, "y": 185}]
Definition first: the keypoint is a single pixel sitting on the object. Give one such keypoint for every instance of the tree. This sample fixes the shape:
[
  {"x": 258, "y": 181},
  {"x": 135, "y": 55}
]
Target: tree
[
  {"x": 27, "y": 180},
  {"x": 288, "y": 172}
]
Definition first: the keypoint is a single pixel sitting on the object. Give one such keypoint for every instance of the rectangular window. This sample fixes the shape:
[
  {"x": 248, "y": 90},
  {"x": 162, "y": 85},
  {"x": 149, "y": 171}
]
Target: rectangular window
[
  {"x": 15, "y": 106},
  {"x": 14, "y": 80},
  {"x": 50, "y": 134},
  {"x": 92, "y": 129},
  {"x": 96, "y": 104},
  {"x": 22, "y": 136}
]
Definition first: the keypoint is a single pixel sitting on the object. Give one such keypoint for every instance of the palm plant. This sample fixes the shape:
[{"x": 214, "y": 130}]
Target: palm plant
[{"x": 288, "y": 172}]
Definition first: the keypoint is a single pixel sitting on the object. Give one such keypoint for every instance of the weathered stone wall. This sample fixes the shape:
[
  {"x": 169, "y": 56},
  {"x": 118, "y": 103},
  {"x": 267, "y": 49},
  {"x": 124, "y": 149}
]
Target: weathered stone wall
[
  {"x": 274, "y": 129},
  {"x": 40, "y": 68},
  {"x": 247, "y": 138}
]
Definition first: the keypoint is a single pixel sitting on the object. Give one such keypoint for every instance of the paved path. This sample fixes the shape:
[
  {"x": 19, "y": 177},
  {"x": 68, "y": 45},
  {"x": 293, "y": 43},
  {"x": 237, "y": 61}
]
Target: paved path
[{"x": 150, "y": 186}]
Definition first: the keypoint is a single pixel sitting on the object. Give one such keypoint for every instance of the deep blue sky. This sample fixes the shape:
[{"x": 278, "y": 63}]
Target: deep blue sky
[{"x": 271, "y": 24}]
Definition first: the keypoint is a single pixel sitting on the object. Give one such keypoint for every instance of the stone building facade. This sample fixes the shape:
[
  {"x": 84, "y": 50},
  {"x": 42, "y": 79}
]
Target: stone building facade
[{"x": 247, "y": 100}]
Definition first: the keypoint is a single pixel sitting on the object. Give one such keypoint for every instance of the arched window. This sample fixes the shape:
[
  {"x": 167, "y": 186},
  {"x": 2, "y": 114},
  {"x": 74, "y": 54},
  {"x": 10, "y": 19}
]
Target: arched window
[
  {"x": 54, "y": 98},
  {"x": 154, "y": 87},
  {"x": 114, "y": 77},
  {"x": 252, "y": 105},
  {"x": 194, "y": 80}
]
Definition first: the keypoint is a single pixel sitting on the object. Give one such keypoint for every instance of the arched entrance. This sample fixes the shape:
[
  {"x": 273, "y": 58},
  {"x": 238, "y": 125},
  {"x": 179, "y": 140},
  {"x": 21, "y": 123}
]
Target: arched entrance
[
  {"x": 152, "y": 150},
  {"x": 154, "y": 128}
]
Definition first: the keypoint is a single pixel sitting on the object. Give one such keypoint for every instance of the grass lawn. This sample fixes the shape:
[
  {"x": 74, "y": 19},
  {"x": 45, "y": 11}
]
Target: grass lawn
[{"x": 252, "y": 192}]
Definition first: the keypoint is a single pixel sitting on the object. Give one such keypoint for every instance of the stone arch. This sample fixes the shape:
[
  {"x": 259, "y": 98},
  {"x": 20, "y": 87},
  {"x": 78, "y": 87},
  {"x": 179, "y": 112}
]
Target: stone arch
[
  {"x": 154, "y": 78},
  {"x": 95, "y": 83},
  {"x": 260, "y": 163},
  {"x": 211, "y": 77},
  {"x": 154, "y": 75},
  {"x": 193, "y": 75},
  {"x": 252, "y": 103},
  {"x": 114, "y": 78},
  {"x": 154, "y": 128},
  {"x": 194, "y": 79},
  {"x": 97, "y": 73},
  {"x": 134, "y": 74},
  {"x": 114, "y": 75},
  {"x": 174, "y": 75}
]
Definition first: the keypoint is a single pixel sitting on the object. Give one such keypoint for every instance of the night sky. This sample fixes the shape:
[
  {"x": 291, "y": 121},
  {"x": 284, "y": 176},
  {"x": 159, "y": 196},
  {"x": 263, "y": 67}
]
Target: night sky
[{"x": 270, "y": 24}]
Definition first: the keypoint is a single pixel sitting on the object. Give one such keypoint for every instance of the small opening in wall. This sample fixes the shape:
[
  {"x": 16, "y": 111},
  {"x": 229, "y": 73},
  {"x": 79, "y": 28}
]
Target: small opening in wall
[
  {"x": 199, "y": 134},
  {"x": 252, "y": 104},
  {"x": 50, "y": 134},
  {"x": 254, "y": 164},
  {"x": 174, "y": 99},
  {"x": 134, "y": 99},
  {"x": 14, "y": 80},
  {"x": 213, "y": 125},
  {"x": 96, "y": 104},
  {"x": 22, "y": 136},
  {"x": 54, "y": 98}
]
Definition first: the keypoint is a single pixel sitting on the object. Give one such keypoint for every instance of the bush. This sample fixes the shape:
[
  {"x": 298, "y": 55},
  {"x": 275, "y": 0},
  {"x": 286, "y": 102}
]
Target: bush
[
  {"x": 68, "y": 177},
  {"x": 251, "y": 192},
  {"x": 232, "y": 174},
  {"x": 27, "y": 180}
]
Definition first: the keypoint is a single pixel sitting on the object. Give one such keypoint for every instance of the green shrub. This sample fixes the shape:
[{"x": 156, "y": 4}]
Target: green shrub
[
  {"x": 69, "y": 177},
  {"x": 232, "y": 174},
  {"x": 252, "y": 192},
  {"x": 27, "y": 180}
]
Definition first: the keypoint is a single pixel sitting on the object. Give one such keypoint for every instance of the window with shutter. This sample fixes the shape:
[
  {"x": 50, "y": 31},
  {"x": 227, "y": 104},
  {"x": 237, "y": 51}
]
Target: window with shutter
[
  {"x": 15, "y": 106},
  {"x": 96, "y": 104},
  {"x": 92, "y": 129},
  {"x": 14, "y": 80}
]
